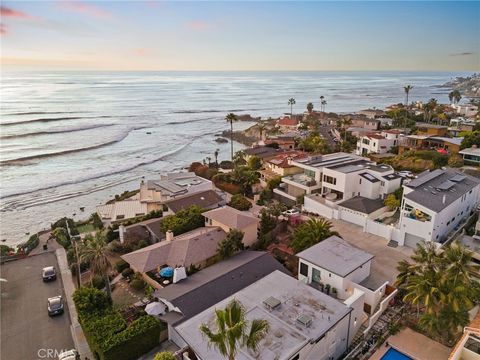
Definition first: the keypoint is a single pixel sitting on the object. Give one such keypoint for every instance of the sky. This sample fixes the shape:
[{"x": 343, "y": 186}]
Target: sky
[{"x": 240, "y": 36}]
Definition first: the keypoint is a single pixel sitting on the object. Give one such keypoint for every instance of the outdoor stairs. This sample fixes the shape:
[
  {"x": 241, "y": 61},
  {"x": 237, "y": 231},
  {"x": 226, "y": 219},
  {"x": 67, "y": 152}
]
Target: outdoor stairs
[{"x": 359, "y": 337}]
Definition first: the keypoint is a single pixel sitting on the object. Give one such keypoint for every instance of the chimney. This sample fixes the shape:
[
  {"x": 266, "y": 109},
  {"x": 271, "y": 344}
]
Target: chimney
[
  {"x": 169, "y": 235},
  {"x": 444, "y": 199},
  {"x": 121, "y": 232}
]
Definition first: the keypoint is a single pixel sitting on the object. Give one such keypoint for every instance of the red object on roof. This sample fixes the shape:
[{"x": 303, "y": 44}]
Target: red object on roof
[
  {"x": 287, "y": 122},
  {"x": 281, "y": 160},
  {"x": 442, "y": 151}
]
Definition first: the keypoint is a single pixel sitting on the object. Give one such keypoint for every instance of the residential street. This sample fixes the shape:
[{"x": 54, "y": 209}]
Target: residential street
[{"x": 27, "y": 332}]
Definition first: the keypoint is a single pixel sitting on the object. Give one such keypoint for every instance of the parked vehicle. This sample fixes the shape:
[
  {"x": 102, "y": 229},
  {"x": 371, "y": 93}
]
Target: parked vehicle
[
  {"x": 291, "y": 212},
  {"x": 69, "y": 355},
  {"x": 55, "y": 305},
  {"x": 406, "y": 174},
  {"x": 49, "y": 273}
]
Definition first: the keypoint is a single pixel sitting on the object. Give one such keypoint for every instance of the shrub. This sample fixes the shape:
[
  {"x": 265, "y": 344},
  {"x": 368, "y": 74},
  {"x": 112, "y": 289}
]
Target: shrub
[
  {"x": 231, "y": 244},
  {"x": 164, "y": 355},
  {"x": 98, "y": 282},
  {"x": 226, "y": 164},
  {"x": 240, "y": 202},
  {"x": 455, "y": 160},
  {"x": 254, "y": 163},
  {"x": 137, "y": 284},
  {"x": 31, "y": 244},
  {"x": 107, "y": 332},
  {"x": 392, "y": 202},
  {"x": 127, "y": 273},
  {"x": 61, "y": 235},
  {"x": 142, "y": 243},
  {"x": 5, "y": 250},
  {"x": 96, "y": 221},
  {"x": 183, "y": 221},
  {"x": 121, "y": 265},
  {"x": 228, "y": 187}
]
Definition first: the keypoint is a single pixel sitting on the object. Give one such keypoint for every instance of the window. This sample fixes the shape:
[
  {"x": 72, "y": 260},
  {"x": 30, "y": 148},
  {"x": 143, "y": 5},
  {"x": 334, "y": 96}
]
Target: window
[
  {"x": 120, "y": 217},
  {"x": 296, "y": 357},
  {"x": 360, "y": 181},
  {"x": 303, "y": 269},
  {"x": 382, "y": 183},
  {"x": 309, "y": 173},
  {"x": 329, "y": 180}
]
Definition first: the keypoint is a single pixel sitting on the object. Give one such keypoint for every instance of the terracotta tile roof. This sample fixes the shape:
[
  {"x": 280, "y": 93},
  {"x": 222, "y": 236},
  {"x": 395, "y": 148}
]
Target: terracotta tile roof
[
  {"x": 282, "y": 159},
  {"x": 287, "y": 122}
]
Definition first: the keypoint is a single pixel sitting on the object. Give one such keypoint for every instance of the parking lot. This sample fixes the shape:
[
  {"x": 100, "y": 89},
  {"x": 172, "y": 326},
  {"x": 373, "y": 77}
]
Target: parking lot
[{"x": 27, "y": 332}]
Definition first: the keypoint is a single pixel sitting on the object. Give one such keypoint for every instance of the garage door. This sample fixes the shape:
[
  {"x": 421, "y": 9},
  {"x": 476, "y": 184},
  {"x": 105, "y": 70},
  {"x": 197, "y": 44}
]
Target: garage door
[{"x": 412, "y": 240}]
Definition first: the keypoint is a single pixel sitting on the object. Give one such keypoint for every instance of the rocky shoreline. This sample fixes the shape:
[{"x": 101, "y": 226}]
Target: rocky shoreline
[{"x": 468, "y": 86}]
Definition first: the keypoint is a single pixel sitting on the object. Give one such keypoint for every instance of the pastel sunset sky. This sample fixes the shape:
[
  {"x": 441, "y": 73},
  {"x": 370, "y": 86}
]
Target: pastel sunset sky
[{"x": 152, "y": 35}]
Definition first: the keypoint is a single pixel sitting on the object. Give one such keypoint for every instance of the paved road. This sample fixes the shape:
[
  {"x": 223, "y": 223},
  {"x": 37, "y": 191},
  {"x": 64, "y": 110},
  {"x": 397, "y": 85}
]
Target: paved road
[
  {"x": 325, "y": 131},
  {"x": 26, "y": 328}
]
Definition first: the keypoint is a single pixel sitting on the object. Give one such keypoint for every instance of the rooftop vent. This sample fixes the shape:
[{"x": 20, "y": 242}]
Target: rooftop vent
[
  {"x": 305, "y": 320},
  {"x": 271, "y": 303}
]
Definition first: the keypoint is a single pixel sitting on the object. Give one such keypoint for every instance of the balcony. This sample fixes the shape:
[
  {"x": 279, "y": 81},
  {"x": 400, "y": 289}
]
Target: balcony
[{"x": 301, "y": 180}]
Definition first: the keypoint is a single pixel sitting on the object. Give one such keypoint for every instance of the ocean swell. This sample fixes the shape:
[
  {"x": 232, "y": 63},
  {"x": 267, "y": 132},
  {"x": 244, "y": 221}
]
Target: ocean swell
[{"x": 60, "y": 131}]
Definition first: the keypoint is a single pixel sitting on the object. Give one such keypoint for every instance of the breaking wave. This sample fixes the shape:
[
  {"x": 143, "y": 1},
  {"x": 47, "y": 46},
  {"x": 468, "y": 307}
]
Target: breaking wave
[{"x": 60, "y": 131}]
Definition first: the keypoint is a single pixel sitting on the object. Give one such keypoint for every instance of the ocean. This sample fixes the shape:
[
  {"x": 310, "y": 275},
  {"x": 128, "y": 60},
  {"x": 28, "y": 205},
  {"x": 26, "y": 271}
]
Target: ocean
[{"x": 75, "y": 139}]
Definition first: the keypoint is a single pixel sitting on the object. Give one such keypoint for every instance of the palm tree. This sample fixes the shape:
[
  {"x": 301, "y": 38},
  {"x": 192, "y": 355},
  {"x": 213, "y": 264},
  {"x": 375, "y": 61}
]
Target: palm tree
[
  {"x": 345, "y": 122},
  {"x": 208, "y": 158},
  {"x": 291, "y": 102},
  {"x": 407, "y": 92},
  {"x": 95, "y": 251},
  {"x": 457, "y": 96},
  {"x": 309, "y": 107},
  {"x": 215, "y": 153},
  {"x": 233, "y": 330},
  {"x": 450, "y": 97},
  {"x": 324, "y": 103},
  {"x": 261, "y": 128},
  {"x": 231, "y": 118},
  {"x": 310, "y": 233},
  {"x": 321, "y": 103}
]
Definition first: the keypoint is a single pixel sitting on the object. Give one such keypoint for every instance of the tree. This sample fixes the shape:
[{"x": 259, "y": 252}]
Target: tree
[
  {"x": 392, "y": 202},
  {"x": 407, "y": 92},
  {"x": 240, "y": 202},
  {"x": 95, "y": 251},
  {"x": 231, "y": 117},
  {"x": 429, "y": 109},
  {"x": 347, "y": 120},
  {"x": 164, "y": 355},
  {"x": 291, "y": 102},
  {"x": 232, "y": 243},
  {"x": 233, "y": 330},
  {"x": 215, "y": 154},
  {"x": 310, "y": 233},
  {"x": 309, "y": 107},
  {"x": 455, "y": 96},
  {"x": 261, "y": 127},
  {"x": 324, "y": 104},
  {"x": 254, "y": 162},
  {"x": 322, "y": 99},
  {"x": 440, "y": 285},
  {"x": 239, "y": 158},
  {"x": 183, "y": 221},
  {"x": 470, "y": 139},
  {"x": 314, "y": 143}
]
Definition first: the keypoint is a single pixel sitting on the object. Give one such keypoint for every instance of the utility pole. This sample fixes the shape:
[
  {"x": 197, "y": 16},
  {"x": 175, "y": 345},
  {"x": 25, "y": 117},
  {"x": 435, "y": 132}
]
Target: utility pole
[{"x": 74, "y": 239}]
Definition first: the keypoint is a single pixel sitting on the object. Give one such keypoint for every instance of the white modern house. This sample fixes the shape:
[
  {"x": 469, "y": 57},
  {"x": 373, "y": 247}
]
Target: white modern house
[
  {"x": 467, "y": 110},
  {"x": 435, "y": 204},
  {"x": 341, "y": 270},
  {"x": 305, "y": 324},
  {"x": 378, "y": 142},
  {"x": 336, "y": 177},
  {"x": 334, "y": 180},
  {"x": 153, "y": 195}
]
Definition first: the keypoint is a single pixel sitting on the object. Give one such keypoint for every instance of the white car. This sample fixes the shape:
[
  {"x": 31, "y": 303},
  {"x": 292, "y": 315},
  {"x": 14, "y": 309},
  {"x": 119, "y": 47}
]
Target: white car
[
  {"x": 290, "y": 212},
  {"x": 69, "y": 355}
]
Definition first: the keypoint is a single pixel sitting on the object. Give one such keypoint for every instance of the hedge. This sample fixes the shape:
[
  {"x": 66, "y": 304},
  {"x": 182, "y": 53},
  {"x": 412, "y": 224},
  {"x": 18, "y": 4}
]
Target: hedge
[
  {"x": 107, "y": 332},
  {"x": 29, "y": 245}
]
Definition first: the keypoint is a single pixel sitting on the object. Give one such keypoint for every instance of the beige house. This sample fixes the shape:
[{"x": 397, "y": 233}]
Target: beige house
[{"x": 229, "y": 218}]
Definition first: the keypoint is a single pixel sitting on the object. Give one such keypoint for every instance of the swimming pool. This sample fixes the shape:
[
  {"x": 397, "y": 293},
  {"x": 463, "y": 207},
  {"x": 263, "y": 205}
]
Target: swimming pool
[{"x": 393, "y": 354}]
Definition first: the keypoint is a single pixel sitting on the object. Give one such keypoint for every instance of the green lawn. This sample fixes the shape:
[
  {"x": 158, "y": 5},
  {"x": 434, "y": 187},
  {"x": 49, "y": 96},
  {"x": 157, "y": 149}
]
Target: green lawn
[{"x": 85, "y": 228}]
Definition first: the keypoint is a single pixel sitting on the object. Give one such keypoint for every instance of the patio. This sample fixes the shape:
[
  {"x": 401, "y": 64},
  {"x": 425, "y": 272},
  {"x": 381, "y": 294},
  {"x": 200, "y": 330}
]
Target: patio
[{"x": 415, "y": 345}]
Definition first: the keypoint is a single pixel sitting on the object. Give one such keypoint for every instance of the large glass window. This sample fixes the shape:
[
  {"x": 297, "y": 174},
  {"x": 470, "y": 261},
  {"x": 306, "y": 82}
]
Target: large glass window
[
  {"x": 316, "y": 275},
  {"x": 330, "y": 180}
]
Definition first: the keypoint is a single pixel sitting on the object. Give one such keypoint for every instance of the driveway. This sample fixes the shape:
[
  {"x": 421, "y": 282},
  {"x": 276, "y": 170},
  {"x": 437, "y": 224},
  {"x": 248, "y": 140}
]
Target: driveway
[
  {"x": 27, "y": 332},
  {"x": 386, "y": 258}
]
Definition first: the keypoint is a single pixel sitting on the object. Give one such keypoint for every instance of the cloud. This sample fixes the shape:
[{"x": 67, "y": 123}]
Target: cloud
[
  {"x": 198, "y": 25},
  {"x": 463, "y": 54},
  {"x": 8, "y": 12},
  {"x": 86, "y": 9}
]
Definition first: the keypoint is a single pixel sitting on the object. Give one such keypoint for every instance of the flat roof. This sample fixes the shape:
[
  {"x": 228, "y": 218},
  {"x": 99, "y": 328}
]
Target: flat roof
[
  {"x": 335, "y": 255},
  {"x": 363, "y": 204},
  {"x": 204, "y": 199},
  {"x": 328, "y": 160},
  {"x": 214, "y": 283},
  {"x": 435, "y": 190},
  {"x": 470, "y": 151},
  {"x": 287, "y": 335}
]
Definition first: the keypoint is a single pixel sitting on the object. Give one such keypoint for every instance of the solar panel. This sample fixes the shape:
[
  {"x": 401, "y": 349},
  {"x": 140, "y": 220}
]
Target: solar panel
[
  {"x": 458, "y": 178},
  {"x": 445, "y": 185}
]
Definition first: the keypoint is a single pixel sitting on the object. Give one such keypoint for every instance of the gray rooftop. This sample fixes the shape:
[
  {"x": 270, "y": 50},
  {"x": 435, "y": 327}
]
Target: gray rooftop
[
  {"x": 214, "y": 283},
  {"x": 471, "y": 151},
  {"x": 299, "y": 304},
  {"x": 262, "y": 151},
  {"x": 363, "y": 204},
  {"x": 435, "y": 190},
  {"x": 335, "y": 255},
  {"x": 329, "y": 160},
  {"x": 205, "y": 199},
  {"x": 175, "y": 184}
]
